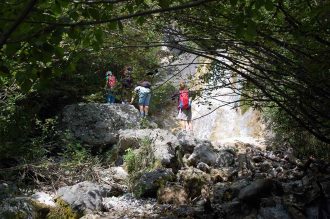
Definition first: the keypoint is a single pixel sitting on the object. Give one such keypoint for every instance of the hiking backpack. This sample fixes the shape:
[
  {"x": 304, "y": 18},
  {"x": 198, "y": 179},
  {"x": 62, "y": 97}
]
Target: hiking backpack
[
  {"x": 184, "y": 102},
  {"x": 111, "y": 83}
]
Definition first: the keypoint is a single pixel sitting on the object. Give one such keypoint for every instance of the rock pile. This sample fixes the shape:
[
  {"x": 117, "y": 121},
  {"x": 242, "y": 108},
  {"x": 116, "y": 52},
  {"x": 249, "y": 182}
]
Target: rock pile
[
  {"x": 179, "y": 176},
  {"x": 224, "y": 182}
]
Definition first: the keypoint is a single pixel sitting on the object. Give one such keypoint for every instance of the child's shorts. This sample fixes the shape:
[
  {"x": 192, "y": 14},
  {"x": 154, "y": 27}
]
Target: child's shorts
[{"x": 144, "y": 99}]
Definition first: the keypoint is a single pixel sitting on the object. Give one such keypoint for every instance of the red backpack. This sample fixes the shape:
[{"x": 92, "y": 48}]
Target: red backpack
[
  {"x": 111, "y": 81},
  {"x": 184, "y": 102}
]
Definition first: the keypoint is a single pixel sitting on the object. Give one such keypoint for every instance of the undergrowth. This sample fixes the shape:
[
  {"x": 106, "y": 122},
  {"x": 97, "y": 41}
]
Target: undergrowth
[
  {"x": 290, "y": 134},
  {"x": 139, "y": 161}
]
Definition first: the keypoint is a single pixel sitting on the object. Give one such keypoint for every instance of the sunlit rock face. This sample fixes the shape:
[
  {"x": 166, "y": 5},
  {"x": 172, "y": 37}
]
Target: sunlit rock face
[
  {"x": 226, "y": 124},
  {"x": 217, "y": 115}
]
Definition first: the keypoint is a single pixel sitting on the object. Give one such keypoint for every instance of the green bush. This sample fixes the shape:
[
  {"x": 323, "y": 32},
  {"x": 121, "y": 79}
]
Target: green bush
[
  {"x": 140, "y": 159},
  {"x": 130, "y": 160},
  {"x": 289, "y": 132},
  {"x": 161, "y": 96},
  {"x": 73, "y": 150}
]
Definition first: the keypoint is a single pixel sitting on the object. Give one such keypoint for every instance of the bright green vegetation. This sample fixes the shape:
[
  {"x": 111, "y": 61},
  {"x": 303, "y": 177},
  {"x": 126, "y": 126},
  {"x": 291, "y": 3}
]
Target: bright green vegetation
[
  {"x": 62, "y": 210},
  {"x": 161, "y": 96},
  {"x": 141, "y": 159},
  {"x": 138, "y": 162}
]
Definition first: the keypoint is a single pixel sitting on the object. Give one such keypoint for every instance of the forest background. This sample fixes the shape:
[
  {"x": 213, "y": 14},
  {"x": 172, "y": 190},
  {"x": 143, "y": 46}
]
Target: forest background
[{"x": 55, "y": 53}]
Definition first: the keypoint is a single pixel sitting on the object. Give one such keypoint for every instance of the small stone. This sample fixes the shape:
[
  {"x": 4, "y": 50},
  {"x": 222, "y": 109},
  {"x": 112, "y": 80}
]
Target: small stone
[
  {"x": 203, "y": 167},
  {"x": 265, "y": 166},
  {"x": 257, "y": 159}
]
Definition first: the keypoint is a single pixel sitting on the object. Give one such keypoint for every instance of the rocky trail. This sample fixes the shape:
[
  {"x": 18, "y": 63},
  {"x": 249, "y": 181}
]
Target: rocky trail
[{"x": 178, "y": 176}]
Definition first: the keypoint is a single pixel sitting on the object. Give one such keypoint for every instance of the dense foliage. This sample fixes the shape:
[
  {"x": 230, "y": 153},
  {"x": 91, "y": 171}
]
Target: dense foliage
[
  {"x": 279, "y": 50},
  {"x": 56, "y": 52}
]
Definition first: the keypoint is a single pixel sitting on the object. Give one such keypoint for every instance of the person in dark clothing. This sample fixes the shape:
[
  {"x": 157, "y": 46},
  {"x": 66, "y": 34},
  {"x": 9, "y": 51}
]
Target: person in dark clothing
[{"x": 126, "y": 84}]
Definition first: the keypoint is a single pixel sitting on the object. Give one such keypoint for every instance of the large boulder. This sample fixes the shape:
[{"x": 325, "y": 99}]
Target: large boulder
[
  {"x": 84, "y": 197},
  {"x": 98, "y": 124},
  {"x": 43, "y": 198},
  {"x": 274, "y": 212},
  {"x": 224, "y": 192},
  {"x": 17, "y": 207},
  {"x": 188, "y": 142},
  {"x": 162, "y": 142},
  {"x": 259, "y": 188},
  {"x": 206, "y": 153},
  {"x": 149, "y": 182}
]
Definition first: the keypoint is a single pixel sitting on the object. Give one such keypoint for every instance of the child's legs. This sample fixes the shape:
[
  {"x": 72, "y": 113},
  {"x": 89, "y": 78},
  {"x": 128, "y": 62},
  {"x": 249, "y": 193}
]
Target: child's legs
[
  {"x": 108, "y": 98},
  {"x": 189, "y": 125},
  {"x": 141, "y": 104},
  {"x": 146, "y": 103},
  {"x": 146, "y": 110},
  {"x": 182, "y": 124},
  {"x": 186, "y": 126},
  {"x": 112, "y": 98},
  {"x": 141, "y": 110}
]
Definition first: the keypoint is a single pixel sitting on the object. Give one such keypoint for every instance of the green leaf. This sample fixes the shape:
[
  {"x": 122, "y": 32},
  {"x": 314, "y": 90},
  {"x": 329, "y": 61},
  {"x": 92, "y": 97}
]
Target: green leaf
[
  {"x": 71, "y": 67},
  {"x": 74, "y": 33},
  {"x": 37, "y": 54},
  {"x": 86, "y": 42},
  {"x": 57, "y": 8},
  {"x": 269, "y": 5},
  {"x": 74, "y": 15},
  {"x": 120, "y": 25},
  {"x": 94, "y": 13},
  {"x": 59, "y": 51},
  {"x": 239, "y": 20},
  {"x": 164, "y": 3},
  {"x": 130, "y": 8},
  {"x": 233, "y": 2},
  {"x": 45, "y": 74},
  {"x": 24, "y": 81},
  {"x": 140, "y": 20},
  {"x": 139, "y": 2},
  {"x": 57, "y": 72},
  {"x": 12, "y": 48},
  {"x": 99, "y": 35},
  {"x": 259, "y": 3},
  {"x": 96, "y": 45},
  {"x": 65, "y": 3},
  {"x": 4, "y": 71},
  {"x": 26, "y": 85},
  {"x": 48, "y": 47},
  {"x": 112, "y": 25},
  {"x": 251, "y": 31}
]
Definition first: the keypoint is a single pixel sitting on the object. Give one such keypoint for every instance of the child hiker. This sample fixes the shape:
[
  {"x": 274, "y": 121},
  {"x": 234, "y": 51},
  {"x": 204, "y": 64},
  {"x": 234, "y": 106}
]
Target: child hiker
[
  {"x": 110, "y": 86},
  {"x": 144, "y": 92},
  {"x": 184, "y": 107}
]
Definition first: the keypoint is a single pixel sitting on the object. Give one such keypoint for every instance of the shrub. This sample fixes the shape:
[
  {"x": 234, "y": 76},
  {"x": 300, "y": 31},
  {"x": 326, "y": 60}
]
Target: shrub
[
  {"x": 288, "y": 132},
  {"x": 161, "y": 96},
  {"x": 73, "y": 150},
  {"x": 140, "y": 159}
]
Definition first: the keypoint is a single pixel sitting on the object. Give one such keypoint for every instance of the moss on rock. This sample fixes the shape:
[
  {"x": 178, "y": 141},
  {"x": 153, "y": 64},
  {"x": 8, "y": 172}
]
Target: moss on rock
[{"x": 62, "y": 210}]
